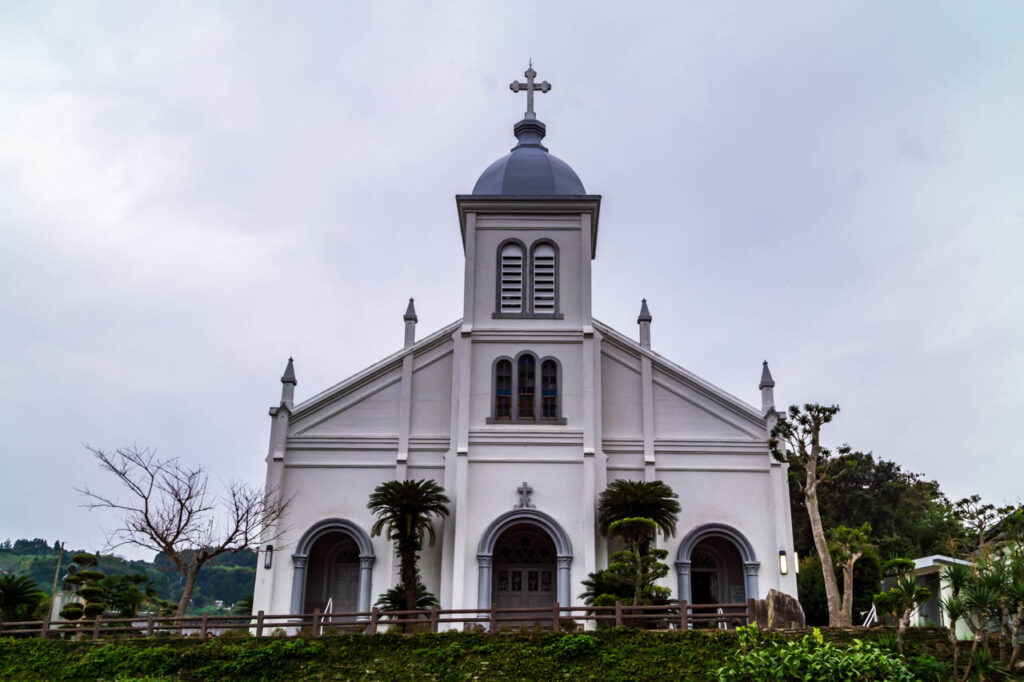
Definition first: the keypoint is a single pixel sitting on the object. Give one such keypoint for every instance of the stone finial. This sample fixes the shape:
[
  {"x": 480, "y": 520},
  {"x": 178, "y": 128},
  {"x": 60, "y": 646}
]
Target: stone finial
[
  {"x": 644, "y": 320},
  {"x": 289, "y": 373},
  {"x": 767, "y": 387},
  {"x": 410, "y": 324},
  {"x": 288, "y": 383}
]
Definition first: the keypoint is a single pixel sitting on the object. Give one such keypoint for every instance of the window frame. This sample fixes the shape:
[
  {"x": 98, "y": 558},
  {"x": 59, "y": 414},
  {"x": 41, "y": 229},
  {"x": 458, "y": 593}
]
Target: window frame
[
  {"x": 525, "y": 295},
  {"x": 527, "y": 311},
  {"x": 538, "y": 405}
]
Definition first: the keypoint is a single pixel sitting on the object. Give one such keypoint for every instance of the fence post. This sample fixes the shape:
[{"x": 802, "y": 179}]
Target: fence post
[
  {"x": 684, "y": 617},
  {"x": 96, "y": 629},
  {"x": 259, "y": 623},
  {"x": 556, "y": 624},
  {"x": 316, "y": 622},
  {"x": 494, "y": 619},
  {"x": 433, "y": 618},
  {"x": 149, "y": 625},
  {"x": 45, "y": 626},
  {"x": 751, "y": 611},
  {"x": 202, "y": 625},
  {"x": 374, "y": 616},
  {"x": 618, "y": 614}
]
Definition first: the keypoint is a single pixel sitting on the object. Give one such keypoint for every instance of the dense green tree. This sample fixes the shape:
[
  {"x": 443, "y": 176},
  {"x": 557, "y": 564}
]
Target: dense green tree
[
  {"x": 867, "y": 575},
  {"x": 909, "y": 515},
  {"x": 654, "y": 500},
  {"x": 125, "y": 594},
  {"x": 19, "y": 597},
  {"x": 635, "y": 567},
  {"x": 406, "y": 510}
]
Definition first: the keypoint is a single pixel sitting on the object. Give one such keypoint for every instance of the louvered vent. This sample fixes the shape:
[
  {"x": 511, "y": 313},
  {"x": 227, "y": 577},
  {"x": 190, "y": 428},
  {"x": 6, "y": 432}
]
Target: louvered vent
[
  {"x": 512, "y": 279},
  {"x": 544, "y": 279}
]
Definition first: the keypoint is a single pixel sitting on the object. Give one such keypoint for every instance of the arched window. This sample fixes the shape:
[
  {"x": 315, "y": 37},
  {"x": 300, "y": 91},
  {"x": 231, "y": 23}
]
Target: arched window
[
  {"x": 527, "y": 387},
  {"x": 525, "y": 390},
  {"x": 503, "y": 390},
  {"x": 549, "y": 390},
  {"x": 544, "y": 278},
  {"x": 510, "y": 291}
]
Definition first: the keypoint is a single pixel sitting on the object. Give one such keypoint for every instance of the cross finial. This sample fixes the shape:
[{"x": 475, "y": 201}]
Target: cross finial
[
  {"x": 529, "y": 86},
  {"x": 524, "y": 496}
]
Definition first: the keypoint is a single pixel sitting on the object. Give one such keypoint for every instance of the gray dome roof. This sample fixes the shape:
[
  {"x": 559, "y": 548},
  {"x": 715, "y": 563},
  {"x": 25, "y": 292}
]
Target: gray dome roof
[{"x": 529, "y": 170}]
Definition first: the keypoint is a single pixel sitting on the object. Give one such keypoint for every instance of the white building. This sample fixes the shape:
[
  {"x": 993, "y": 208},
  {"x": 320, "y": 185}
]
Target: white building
[{"x": 524, "y": 409}]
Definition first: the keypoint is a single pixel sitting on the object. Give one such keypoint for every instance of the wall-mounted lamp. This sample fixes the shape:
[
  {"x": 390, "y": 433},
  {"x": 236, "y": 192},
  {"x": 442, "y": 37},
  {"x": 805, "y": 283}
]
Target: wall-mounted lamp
[
  {"x": 269, "y": 558},
  {"x": 783, "y": 562},
  {"x": 796, "y": 562}
]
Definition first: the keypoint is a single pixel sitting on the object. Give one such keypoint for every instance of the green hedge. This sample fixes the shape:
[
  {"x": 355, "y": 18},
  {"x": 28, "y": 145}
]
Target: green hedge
[{"x": 602, "y": 655}]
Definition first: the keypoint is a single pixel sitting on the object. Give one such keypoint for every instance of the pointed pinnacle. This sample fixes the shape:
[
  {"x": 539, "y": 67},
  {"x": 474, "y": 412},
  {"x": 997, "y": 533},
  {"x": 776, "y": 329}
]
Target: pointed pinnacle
[
  {"x": 410, "y": 313},
  {"x": 766, "y": 376},
  {"x": 645, "y": 314},
  {"x": 289, "y": 374}
]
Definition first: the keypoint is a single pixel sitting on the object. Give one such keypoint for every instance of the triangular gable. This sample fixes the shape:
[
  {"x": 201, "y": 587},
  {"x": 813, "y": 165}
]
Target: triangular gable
[
  {"x": 686, "y": 399},
  {"x": 366, "y": 403}
]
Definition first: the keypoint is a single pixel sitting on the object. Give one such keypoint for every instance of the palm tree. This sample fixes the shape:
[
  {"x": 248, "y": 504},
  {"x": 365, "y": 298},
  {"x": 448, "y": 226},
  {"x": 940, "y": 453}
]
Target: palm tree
[
  {"x": 19, "y": 597},
  {"x": 624, "y": 499},
  {"x": 406, "y": 510}
]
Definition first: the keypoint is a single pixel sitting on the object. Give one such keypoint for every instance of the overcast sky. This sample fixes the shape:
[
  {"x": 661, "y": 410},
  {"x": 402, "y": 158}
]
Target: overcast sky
[{"x": 190, "y": 193}]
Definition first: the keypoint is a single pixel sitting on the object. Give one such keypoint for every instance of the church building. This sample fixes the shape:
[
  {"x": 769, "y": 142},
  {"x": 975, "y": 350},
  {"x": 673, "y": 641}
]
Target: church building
[{"x": 524, "y": 409}]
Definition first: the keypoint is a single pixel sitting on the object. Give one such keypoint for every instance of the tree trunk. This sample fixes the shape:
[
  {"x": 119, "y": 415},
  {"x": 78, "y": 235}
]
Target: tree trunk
[
  {"x": 1018, "y": 623},
  {"x": 847, "y": 605},
  {"x": 408, "y": 559},
  {"x": 191, "y": 573},
  {"x": 828, "y": 570},
  {"x": 953, "y": 642},
  {"x": 901, "y": 630}
]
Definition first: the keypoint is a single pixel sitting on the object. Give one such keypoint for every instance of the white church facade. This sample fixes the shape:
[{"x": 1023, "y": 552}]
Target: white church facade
[{"x": 523, "y": 410}]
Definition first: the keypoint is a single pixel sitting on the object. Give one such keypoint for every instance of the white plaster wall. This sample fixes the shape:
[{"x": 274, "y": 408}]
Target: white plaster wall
[
  {"x": 492, "y": 230},
  {"x": 569, "y": 355},
  {"x": 557, "y": 493}
]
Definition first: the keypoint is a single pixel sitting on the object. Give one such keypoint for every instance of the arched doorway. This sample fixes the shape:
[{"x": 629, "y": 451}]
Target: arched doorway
[
  {"x": 524, "y": 568},
  {"x": 333, "y": 562},
  {"x": 332, "y": 574},
  {"x": 716, "y": 565},
  {"x": 539, "y": 529}
]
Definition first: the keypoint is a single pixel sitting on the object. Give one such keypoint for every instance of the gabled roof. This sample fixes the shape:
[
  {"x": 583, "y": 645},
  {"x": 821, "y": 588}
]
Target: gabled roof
[
  {"x": 310, "y": 405},
  {"x": 683, "y": 375}
]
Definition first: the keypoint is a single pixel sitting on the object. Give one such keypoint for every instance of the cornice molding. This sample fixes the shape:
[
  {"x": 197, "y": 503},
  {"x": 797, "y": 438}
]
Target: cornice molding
[{"x": 538, "y": 205}]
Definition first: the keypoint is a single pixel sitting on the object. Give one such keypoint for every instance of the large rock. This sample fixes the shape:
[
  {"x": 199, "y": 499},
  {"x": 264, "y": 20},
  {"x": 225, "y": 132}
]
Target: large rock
[{"x": 782, "y": 611}]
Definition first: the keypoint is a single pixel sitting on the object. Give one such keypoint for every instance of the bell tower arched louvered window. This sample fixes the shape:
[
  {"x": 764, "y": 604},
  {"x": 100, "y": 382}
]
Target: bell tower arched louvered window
[
  {"x": 544, "y": 279},
  {"x": 511, "y": 280}
]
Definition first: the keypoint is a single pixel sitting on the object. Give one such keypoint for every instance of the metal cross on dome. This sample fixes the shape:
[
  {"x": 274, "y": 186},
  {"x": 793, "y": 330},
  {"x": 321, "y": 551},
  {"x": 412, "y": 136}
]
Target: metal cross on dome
[
  {"x": 524, "y": 496},
  {"x": 529, "y": 86}
]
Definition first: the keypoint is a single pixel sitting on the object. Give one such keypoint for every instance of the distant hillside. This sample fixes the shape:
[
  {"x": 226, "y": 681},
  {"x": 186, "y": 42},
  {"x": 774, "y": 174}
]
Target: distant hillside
[{"x": 229, "y": 577}]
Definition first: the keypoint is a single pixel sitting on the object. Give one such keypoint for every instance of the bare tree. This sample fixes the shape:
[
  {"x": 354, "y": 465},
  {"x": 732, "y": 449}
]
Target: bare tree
[
  {"x": 170, "y": 510},
  {"x": 797, "y": 439}
]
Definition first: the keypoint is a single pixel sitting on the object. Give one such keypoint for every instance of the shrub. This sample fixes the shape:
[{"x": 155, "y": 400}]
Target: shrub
[{"x": 810, "y": 658}]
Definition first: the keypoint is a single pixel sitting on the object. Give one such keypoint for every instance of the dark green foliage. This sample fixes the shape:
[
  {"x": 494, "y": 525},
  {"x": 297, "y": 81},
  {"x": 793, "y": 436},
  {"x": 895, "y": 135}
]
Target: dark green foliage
[
  {"x": 653, "y": 500},
  {"x": 600, "y": 583},
  {"x": 607, "y": 655},
  {"x": 867, "y": 575},
  {"x": 810, "y": 658},
  {"x": 910, "y": 516},
  {"x": 394, "y": 599},
  {"x": 406, "y": 510},
  {"x": 227, "y": 577},
  {"x": 125, "y": 593},
  {"x": 19, "y": 597}
]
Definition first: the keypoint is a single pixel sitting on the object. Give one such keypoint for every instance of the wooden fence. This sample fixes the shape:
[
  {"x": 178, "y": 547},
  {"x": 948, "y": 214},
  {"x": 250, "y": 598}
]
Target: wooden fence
[{"x": 678, "y": 615}]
